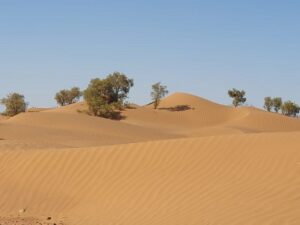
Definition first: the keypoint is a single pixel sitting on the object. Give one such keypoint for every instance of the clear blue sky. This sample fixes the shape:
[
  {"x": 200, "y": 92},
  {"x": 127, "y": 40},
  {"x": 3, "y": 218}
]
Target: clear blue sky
[{"x": 200, "y": 47}]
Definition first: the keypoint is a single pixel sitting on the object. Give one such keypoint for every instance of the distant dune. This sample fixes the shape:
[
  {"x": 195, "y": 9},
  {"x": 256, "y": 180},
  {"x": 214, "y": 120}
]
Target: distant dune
[
  {"x": 179, "y": 116},
  {"x": 191, "y": 161}
]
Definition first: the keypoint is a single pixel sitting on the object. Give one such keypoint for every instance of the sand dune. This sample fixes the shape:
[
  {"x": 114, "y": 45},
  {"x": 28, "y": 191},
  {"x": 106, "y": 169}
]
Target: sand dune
[
  {"x": 180, "y": 115},
  {"x": 54, "y": 129},
  {"x": 192, "y": 161},
  {"x": 201, "y": 117},
  {"x": 237, "y": 179}
]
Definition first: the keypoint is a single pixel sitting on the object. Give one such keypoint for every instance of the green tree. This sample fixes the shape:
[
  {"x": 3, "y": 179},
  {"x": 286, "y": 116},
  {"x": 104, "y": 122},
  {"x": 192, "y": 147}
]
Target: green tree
[
  {"x": 61, "y": 97},
  {"x": 67, "y": 97},
  {"x": 96, "y": 96},
  {"x": 277, "y": 103},
  {"x": 238, "y": 97},
  {"x": 158, "y": 92},
  {"x": 74, "y": 95},
  {"x": 14, "y": 104},
  {"x": 268, "y": 104},
  {"x": 120, "y": 86},
  {"x": 104, "y": 96},
  {"x": 290, "y": 108}
]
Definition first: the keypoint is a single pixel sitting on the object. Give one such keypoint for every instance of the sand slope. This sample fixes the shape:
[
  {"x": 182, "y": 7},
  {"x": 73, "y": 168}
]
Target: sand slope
[
  {"x": 50, "y": 129},
  {"x": 236, "y": 179},
  {"x": 180, "y": 115},
  {"x": 205, "y": 118},
  {"x": 190, "y": 162}
]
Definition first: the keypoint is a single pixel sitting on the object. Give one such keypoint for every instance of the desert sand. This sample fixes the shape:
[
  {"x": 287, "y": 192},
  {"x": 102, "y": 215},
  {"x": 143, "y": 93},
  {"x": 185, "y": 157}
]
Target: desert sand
[{"x": 192, "y": 161}]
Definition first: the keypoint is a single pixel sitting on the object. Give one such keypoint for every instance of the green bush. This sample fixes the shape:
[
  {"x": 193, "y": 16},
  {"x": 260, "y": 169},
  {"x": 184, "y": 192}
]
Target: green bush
[{"x": 105, "y": 96}]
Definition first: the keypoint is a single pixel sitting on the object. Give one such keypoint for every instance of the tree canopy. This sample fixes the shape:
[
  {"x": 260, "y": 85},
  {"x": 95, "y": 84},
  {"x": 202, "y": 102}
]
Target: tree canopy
[
  {"x": 238, "y": 97},
  {"x": 277, "y": 103},
  {"x": 273, "y": 103},
  {"x": 290, "y": 108},
  {"x": 67, "y": 97},
  {"x": 268, "y": 104},
  {"x": 158, "y": 92},
  {"x": 103, "y": 96},
  {"x": 14, "y": 104}
]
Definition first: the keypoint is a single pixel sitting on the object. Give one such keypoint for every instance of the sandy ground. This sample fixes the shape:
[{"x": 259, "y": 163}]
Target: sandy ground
[{"x": 190, "y": 162}]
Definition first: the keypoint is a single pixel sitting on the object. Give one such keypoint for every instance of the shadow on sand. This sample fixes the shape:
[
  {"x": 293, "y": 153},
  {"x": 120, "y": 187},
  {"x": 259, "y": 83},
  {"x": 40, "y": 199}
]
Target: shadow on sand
[{"x": 178, "y": 108}]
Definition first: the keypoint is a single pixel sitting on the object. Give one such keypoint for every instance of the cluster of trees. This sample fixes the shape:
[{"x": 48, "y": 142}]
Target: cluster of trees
[
  {"x": 106, "y": 97},
  {"x": 273, "y": 104},
  {"x": 287, "y": 108},
  {"x": 67, "y": 97}
]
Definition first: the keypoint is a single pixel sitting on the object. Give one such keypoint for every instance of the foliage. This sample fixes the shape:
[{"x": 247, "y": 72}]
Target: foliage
[
  {"x": 290, "y": 108},
  {"x": 14, "y": 103},
  {"x": 268, "y": 104},
  {"x": 105, "y": 96},
  {"x": 238, "y": 97},
  {"x": 277, "y": 103},
  {"x": 158, "y": 92},
  {"x": 119, "y": 86},
  {"x": 67, "y": 97}
]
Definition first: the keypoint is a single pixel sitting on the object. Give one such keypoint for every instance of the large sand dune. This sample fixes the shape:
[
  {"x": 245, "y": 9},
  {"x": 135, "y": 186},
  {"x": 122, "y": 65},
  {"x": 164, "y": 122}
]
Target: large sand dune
[
  {"x": 189, "y": 115},
  {"x": 239, "y": 179},
  {"x": 190, "y": 162}
]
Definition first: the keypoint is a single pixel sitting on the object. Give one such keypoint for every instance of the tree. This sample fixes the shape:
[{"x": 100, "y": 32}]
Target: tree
[
  {"x": 74, "y": 95},
  {"x": 277, "y": 103},
  {"x": 238, "y": 97},
  {"x": 96, "y": 96},
  {"x": 14, "y": 103},
  {"x": 104, "y": 96},
  {"x": 158, "y": 92},
  {"x": 268, "y": 104},
  {"x": 120, "y": 86},
  {"x": 61, "y": 97},
  {"x": 290, "y": 108},
  {"x": 67, "y": 97}
]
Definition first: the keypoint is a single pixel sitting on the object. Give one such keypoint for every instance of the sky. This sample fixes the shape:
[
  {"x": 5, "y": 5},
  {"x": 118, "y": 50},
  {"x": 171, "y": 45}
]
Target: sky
[{"x": 200, "y": 47}]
